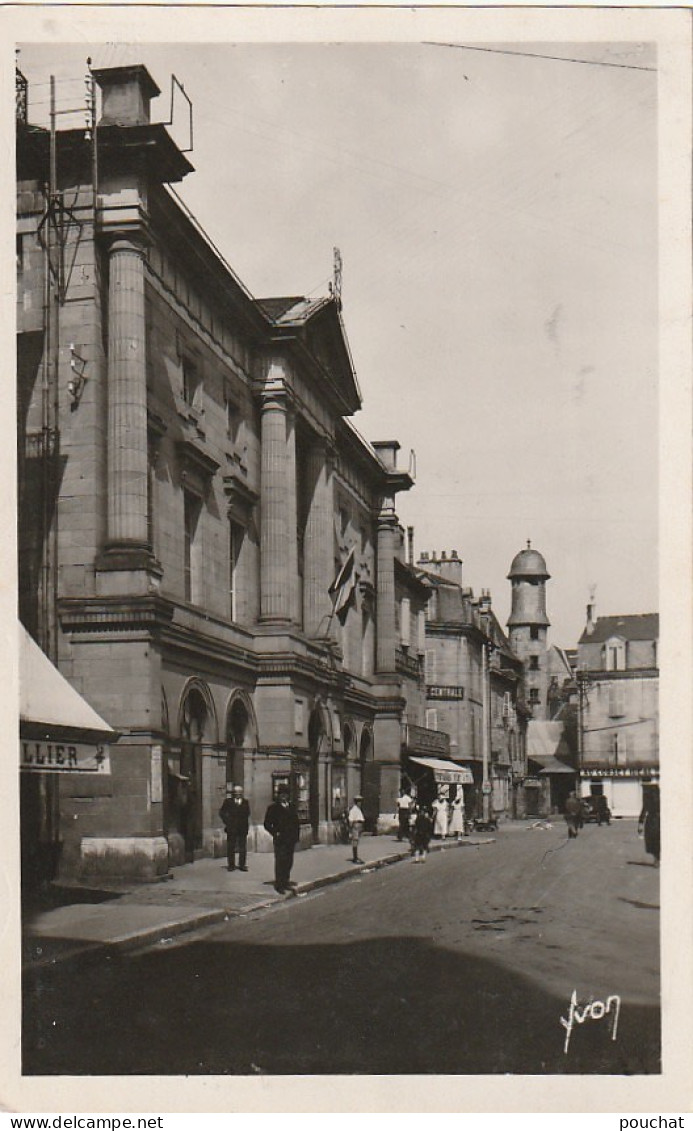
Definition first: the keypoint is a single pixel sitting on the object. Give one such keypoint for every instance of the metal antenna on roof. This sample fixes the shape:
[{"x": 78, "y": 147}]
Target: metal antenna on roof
[{"x": 336, "y": 284}]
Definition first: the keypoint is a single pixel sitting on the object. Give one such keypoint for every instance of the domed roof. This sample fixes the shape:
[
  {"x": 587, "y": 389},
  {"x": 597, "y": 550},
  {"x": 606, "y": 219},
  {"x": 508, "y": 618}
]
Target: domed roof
[{"x": 529, "y": 563}]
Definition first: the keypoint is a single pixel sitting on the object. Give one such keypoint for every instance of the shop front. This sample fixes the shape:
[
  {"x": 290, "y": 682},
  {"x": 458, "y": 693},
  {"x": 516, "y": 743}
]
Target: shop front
[
  {"x": 437, "y": 777},
  {"x": 622, "y": 787},
  {"x": 59, "y": 734}
]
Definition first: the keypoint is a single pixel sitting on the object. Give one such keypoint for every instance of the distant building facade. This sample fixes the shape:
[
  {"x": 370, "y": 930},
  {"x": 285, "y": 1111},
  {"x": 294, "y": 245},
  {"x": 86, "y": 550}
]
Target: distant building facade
[
  {"x": 465, "y": 649},
  {"x": 618, "y": 727},
  {"x": 208, "y": 550}
]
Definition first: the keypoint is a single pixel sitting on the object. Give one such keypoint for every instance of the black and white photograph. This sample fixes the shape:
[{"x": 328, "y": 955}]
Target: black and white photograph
[{"x": 351, "y": 382}]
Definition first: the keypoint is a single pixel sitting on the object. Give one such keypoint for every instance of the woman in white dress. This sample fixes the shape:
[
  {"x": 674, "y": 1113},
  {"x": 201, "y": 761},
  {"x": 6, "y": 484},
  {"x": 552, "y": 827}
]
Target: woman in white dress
[
  {"x": 457, "y": 816},
  {"x": 440, "y": 808}
]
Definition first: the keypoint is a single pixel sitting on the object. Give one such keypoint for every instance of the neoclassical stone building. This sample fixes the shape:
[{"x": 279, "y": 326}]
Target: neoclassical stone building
[{"x": 190, "y": 488}]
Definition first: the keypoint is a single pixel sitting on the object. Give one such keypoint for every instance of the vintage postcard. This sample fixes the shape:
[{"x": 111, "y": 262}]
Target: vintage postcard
[{"x": 347, "y": 560}]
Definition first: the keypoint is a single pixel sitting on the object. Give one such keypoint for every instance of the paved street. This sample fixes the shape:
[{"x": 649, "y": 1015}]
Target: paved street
[{"x": 464, "y": 964}]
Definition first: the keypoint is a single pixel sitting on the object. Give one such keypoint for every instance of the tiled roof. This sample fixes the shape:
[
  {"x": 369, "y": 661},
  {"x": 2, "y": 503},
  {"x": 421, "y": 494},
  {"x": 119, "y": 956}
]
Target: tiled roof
[{"x": 636, "y": 626}]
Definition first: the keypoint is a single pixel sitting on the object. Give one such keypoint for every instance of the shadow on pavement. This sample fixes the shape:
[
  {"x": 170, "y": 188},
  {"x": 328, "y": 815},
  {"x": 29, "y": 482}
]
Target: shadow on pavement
[
  {"x": 380, "y": 1005},
  {"x": 52, "y": 895}
]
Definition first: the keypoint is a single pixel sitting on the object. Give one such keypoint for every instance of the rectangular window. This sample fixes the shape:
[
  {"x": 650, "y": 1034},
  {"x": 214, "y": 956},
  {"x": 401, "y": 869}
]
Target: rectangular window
[
  {"x": 534, "y": 663},
  {"x": 20, "y": 252},
  {"x": 421, "y": 632},
  {"x": 617, "y": 751},
  {"x": 533, "y": 632},
  {"x": 233, "y": 416},
  {"x": 430, "y": 666},
  {"x": 617, "y": 700},
  {"x": 534, "y": 695},
  {"x": 298, "y": 716},
  {"x": 192, "y": 548},
  {"x": 191, "y": 382},
  {"x": 405, "y": 622},
  {"x": 236, "y": 536},
  {"x": 431, "y": 718}
]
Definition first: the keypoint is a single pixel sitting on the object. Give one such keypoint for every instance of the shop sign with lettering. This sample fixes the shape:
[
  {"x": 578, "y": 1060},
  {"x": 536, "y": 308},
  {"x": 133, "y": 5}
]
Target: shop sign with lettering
[
  {"x": 627, "y": 772},
  {"x": 64, "y": 757},
  {"x": 444, "y": 691}
]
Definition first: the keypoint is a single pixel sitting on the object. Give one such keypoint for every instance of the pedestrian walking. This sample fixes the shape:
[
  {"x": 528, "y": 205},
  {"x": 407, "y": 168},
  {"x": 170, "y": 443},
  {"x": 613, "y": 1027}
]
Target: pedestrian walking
[
  {"x": 456, "y": 828},
  {"x": 281, "y": 822},
  {"x": 235, "y": 815},
  {"x": 440, "y": 808},
  {"x": 573, "y": 814},
  {"x": 422, "y": 831},
  {"x": 602, "y": 809},
  {"x": 356, "y": 821},
  {"x": 648, "y": 821},
  {"x": 404, "y": 805}
]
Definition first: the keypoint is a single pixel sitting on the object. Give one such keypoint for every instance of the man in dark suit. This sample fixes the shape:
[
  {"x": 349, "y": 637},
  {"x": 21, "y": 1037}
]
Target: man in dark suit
[
  {"x": 281, "y": 822},
  {"x": 235, "y": 813}
]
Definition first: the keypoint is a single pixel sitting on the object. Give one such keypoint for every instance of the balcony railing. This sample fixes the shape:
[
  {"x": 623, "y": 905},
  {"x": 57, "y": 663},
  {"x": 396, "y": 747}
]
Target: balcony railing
[
  {"x": 406, "y": 664},
  {"x": 421, "y": 740}
]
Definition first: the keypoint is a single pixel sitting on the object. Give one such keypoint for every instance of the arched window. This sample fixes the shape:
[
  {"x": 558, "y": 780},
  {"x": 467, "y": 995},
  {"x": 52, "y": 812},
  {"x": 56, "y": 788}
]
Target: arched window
[
  {"x": 349, "y": 741},
  {"x": 237, "y": 724}
]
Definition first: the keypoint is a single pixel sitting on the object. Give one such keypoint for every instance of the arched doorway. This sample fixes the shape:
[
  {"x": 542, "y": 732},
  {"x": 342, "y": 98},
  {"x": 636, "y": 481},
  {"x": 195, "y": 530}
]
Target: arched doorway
[
  {"x": 185, "y": 775},
  {"x": 341, "y": 786}
]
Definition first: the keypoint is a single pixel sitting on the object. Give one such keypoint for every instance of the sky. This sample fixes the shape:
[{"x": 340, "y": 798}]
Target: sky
[{"x": 496, "y": 214}]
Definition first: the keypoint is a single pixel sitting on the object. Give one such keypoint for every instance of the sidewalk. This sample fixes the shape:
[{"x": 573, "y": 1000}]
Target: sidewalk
[{"x": 197, "y": 895}]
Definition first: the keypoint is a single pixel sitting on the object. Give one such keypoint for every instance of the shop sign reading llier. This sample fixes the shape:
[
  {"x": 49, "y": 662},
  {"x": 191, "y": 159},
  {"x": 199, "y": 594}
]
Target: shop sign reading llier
[{"x": 64, "y": 757}]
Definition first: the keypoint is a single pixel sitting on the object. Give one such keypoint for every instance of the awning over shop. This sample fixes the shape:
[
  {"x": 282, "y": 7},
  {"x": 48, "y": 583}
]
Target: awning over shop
[
  {"x": 59, "y": 731},
  {"x": 448, "y": 773}
]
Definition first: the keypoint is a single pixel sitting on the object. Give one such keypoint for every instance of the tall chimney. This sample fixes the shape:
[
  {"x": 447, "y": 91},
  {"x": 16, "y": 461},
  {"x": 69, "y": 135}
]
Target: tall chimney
[{"x": 126, "y": 93}]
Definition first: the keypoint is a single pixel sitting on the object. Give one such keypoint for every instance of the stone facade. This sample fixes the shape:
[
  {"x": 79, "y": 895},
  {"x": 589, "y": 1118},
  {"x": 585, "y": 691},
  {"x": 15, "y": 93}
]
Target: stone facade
[
  {"x": 466, "y": 646},
  {"x": 618, "y": 691},
  {"x": 190, "y": 486}
]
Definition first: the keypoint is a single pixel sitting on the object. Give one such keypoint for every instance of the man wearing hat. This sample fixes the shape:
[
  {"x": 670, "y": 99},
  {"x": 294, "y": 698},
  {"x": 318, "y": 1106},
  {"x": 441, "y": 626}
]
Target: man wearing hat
[
  {"x": 281, "y": 822},
  {"x": 356, "y": 821},
  {"x": 235, "y": 814}
]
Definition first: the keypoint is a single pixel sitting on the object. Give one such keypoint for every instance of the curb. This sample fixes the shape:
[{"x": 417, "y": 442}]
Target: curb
[{"x": 90, "y": 951}]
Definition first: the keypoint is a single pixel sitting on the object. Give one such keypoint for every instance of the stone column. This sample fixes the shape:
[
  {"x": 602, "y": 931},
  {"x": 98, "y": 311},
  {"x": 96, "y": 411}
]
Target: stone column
[
  {"x": 295, "y": 611},
  {"x": 127, "y": 397},
  {"x": 276, "y": 531},
  {"x": 385, "y": 624},
  {"x": 318, "y": 545}
]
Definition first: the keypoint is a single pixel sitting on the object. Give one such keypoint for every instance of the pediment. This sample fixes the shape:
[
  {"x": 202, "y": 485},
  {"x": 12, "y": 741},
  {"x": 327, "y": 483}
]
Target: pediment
[{"x": 318, "y": 326}]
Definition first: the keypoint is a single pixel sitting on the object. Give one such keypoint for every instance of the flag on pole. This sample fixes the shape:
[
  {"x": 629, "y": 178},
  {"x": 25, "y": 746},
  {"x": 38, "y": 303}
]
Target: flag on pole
[{"x": 343, "y": 588}]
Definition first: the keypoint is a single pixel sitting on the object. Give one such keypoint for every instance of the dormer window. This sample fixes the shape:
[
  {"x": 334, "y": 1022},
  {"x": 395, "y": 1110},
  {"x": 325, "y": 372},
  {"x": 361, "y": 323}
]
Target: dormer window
[{"x": 615, "y": 654}]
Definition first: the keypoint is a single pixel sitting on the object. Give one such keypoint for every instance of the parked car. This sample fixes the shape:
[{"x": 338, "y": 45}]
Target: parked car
[{"x": 595, "y": 808}]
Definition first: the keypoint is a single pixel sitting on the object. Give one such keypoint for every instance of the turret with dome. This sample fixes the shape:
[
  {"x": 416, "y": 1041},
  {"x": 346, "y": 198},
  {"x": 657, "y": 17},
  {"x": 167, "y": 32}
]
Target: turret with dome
[{"x": 528, "y": 623}]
